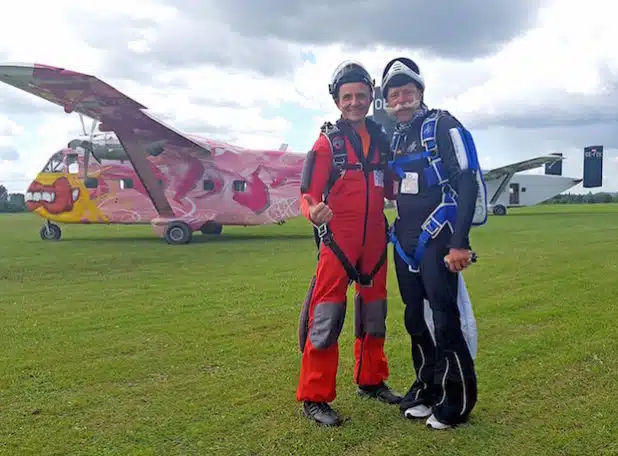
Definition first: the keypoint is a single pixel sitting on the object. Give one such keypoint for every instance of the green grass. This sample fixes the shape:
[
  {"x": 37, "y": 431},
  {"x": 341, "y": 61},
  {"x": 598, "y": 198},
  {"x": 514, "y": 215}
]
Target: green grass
[{"x": 115, "y": 343}]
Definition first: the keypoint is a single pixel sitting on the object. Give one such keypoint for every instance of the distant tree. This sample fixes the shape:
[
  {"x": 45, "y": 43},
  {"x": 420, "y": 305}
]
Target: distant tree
[
  {"x": 11, "y": 202},
  {"x": 603, "y": 197},
  {"x": 18, "y": 200}
]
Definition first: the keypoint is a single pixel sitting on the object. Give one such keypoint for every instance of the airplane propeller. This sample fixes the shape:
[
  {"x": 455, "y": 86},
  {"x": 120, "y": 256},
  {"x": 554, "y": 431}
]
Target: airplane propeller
[{"x": 87, "y": 145}]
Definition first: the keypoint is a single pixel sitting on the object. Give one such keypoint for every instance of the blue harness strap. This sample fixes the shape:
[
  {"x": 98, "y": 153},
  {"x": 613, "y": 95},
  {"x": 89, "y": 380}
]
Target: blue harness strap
[
  {"x": 446, "y": 212},
  {"x": 396, "y": 165}
]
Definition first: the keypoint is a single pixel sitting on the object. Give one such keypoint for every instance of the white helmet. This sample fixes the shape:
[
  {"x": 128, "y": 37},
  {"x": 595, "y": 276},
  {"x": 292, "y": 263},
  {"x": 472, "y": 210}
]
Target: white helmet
[
  {"x": 401, "y": 71},
  {"x": 349, "y": 71}
]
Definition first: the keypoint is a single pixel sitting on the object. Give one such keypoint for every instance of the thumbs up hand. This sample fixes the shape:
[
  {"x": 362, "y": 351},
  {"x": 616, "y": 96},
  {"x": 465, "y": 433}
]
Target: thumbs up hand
[{"x": 318, "y": 213}]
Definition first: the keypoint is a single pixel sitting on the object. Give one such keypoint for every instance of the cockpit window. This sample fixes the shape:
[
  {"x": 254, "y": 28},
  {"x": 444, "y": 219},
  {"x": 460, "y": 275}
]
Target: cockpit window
[{"x": 55, "y": 164}]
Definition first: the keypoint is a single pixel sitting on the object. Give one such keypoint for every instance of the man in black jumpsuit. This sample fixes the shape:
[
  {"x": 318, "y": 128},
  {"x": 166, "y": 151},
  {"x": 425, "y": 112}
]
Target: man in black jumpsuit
[{"x": 427, "y": 262}]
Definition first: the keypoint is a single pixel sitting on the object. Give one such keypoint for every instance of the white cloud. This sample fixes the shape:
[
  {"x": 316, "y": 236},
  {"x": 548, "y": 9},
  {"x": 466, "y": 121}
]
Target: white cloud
[
  {"x": 570, "y": 52},
  {"x": 9, "y": 128}
]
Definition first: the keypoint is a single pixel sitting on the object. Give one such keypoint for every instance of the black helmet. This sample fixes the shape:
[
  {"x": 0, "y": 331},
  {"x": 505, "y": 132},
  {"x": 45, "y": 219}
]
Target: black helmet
[
  {"x": 401, "y": 71},
  {"x": 349, "y": 71}
]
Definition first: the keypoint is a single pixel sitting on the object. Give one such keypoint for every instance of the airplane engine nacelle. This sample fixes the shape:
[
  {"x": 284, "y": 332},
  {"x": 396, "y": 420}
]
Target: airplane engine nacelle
[
  {"x": 110, "y": 150},
  {"x": 101, "y": 151}
]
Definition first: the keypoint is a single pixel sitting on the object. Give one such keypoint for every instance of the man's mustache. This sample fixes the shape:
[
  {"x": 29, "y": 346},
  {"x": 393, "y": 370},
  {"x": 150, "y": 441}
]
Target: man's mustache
[{"x": 406, "y": 105}]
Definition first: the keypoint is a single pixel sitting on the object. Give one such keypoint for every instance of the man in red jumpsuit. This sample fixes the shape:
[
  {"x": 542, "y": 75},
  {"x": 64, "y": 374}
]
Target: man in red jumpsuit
[{"x": 343, "y": 189}]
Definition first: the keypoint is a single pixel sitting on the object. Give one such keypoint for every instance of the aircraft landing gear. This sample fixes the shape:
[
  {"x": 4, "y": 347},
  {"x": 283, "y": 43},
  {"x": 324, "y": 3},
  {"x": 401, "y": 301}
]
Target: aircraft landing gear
[
  {"x": 177, "y": 233},
  {"x": 50, "y": 232},
  {"x": 499, "y": 210},
  {"x": 211, "y": 228}
]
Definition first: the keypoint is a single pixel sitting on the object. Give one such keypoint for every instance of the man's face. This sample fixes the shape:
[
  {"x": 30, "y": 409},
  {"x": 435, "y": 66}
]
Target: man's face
[
  {"x": 354, "y": 101},
  {"x": 404, "y": 101}
]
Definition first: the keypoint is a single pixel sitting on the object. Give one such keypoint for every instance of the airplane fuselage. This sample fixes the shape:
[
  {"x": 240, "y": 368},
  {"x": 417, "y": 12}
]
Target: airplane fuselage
[
  {"x": 529, "y": 189},
  {"x": 229, "y": 186}
]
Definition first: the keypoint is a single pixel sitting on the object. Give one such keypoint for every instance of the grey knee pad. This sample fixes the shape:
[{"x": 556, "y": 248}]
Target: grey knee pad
[{"x": 328, "y": 318}]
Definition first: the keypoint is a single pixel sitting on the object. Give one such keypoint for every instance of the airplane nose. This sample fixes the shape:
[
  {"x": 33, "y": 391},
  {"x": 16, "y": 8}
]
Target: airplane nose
[{"x": 32, "y": 196}]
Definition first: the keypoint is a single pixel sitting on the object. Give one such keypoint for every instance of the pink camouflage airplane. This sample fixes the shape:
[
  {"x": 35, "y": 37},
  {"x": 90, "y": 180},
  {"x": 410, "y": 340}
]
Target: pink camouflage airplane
[{"x": 137, "y": 170}]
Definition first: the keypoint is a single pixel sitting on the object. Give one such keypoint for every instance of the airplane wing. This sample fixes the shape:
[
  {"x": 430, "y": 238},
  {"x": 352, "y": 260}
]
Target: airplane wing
[
  {"x": 520, "y": 166},
  {"x": 88, "y": 95}
]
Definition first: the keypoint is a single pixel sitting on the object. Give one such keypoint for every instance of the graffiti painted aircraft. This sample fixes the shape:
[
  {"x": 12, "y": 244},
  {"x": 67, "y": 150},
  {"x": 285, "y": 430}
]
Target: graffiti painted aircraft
[{"x": 137, "y": 170}]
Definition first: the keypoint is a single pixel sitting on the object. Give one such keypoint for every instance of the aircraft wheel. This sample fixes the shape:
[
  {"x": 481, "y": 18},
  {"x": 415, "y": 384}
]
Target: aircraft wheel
[
  {"x": 499, "y": 210},
  {"x": 211, "y": 228},
  {"x": 50, "y": 232},
  {"x": 177, "y": 233}
]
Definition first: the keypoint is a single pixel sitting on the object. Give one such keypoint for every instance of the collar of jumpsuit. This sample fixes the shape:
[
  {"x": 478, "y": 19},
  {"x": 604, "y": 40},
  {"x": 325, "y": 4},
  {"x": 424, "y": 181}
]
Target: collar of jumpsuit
[
  {"x": 362, "y": 131},
  {"x": 403, "y": 127}
]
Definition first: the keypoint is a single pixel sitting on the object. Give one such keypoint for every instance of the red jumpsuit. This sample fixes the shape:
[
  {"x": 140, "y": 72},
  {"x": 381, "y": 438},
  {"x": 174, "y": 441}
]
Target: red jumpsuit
[{"x": 358, "y": 227}]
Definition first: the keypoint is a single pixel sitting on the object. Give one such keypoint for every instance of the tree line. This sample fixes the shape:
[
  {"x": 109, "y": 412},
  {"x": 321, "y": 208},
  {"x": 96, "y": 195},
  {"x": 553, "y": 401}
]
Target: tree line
[
  {"x": 588, "y": 198},
  {"x": 15, "y": 202}
]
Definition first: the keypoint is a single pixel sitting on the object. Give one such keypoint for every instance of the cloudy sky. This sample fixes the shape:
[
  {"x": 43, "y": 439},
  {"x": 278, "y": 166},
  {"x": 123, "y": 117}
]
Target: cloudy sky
[{"x": 527, "y": 77}]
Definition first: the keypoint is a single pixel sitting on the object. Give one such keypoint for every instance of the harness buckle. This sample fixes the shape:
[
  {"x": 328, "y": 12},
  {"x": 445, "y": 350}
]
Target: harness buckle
[
  {"x": 323, "y": 233},
  {"x": 339, "y": 160},
  {"x": 365, "y": 281},
  {"x": 432, "y": 226},
  {"x": 357, "y": 166}
]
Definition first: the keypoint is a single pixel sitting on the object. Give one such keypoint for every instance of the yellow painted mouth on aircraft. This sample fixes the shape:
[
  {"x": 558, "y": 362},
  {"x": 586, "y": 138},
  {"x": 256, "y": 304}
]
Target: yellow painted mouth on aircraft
[{"x": 63, "y": 198}]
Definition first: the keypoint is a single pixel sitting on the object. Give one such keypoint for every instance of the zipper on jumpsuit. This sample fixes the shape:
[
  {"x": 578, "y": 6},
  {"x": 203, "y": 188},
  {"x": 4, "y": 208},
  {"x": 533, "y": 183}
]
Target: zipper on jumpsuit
[
  {"x": 366, "y": 206},
  {"x": 365, "y": 161}
]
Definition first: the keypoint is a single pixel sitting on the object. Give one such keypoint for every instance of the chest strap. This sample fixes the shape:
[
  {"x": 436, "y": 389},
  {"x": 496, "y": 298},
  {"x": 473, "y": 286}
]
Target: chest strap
[{"x": 398, "y": 163}]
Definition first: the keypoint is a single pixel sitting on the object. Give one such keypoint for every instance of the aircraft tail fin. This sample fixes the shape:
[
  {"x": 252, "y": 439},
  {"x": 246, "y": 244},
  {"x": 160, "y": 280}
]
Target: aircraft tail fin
[
  {"x": 379, "y": 113},
  {"x": 283, "y": 147},
  {"x": 593, "y": 166}
]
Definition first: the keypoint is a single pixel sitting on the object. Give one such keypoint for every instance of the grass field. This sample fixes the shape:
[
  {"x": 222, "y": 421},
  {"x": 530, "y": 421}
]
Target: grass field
[{"x": 115, "y": 343}]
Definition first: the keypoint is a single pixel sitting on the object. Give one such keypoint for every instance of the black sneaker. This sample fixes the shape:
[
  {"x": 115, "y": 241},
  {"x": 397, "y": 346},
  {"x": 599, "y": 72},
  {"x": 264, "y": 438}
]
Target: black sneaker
[
  {"x": 322, "y": 413},
  {"x": 380, "y": 392}
]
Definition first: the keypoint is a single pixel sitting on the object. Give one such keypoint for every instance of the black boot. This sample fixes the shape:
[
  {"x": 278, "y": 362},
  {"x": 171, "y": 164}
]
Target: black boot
[
  {"x": 322, "y": 413},
  {"x": 380, "y": 392}
]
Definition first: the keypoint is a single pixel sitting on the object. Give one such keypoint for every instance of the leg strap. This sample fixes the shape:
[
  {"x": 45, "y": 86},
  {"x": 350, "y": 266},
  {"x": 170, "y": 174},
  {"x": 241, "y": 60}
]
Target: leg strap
[{"x": 324, "y": 234}]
